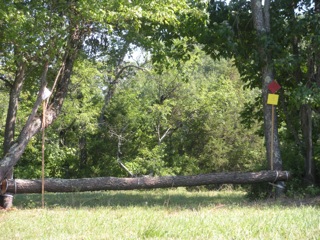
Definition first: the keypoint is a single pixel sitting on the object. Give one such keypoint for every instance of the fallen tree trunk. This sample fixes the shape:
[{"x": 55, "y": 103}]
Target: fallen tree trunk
[{"x": 113, "y": 183}]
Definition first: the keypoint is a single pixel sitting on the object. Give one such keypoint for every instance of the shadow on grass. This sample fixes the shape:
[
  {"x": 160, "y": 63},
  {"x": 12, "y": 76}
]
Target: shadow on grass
[{"x": 145, "y": 198}]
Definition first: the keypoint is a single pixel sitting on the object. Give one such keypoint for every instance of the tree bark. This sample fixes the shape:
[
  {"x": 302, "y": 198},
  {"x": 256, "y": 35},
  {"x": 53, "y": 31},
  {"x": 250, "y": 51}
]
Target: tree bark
[
  {"x": 306, "y": 127},
  {"x": 261, "y": 19},
  {"x": 10, "y": 127},
  {"x": 113, "y": 183},
  {"x": 304, "y": 140},
  {"x": 13, "y": 107},
  {"x": 33, "y": 124}
]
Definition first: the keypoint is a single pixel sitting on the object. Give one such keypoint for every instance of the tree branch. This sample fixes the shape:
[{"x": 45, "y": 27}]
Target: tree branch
[
  {"x": 7, "y": 81},
  {"x": 125, "y": 67},
  {"x": 164, "y": 135},
  {"x": 33, "y": 124},
  {"x": 38, "y": 101}
]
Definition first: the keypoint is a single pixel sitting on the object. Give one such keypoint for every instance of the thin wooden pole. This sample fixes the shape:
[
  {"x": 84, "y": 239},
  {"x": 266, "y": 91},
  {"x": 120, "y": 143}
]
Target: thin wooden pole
[
  {"x": 272, "y": 136},
  {"x": 43, "y": 141}
]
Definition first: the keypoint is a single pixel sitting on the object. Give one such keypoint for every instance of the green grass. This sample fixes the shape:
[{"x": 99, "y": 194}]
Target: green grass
[{"x": 157, "y": 214}]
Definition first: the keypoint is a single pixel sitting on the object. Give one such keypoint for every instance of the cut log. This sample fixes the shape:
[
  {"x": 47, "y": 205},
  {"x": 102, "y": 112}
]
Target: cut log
[{"x": 113, "y": 183}]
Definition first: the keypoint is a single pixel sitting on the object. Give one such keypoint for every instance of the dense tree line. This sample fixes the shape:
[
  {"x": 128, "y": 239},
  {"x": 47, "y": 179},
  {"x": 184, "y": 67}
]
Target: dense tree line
[
  {"x": 174, "y": 111},
  {"x": 155, "y": 124},
  {"x": 280, "y": 39}
]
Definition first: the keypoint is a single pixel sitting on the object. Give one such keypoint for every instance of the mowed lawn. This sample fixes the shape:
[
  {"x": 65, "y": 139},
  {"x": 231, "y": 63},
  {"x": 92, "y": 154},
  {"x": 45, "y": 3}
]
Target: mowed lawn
[{"x": 158, "y": 214}]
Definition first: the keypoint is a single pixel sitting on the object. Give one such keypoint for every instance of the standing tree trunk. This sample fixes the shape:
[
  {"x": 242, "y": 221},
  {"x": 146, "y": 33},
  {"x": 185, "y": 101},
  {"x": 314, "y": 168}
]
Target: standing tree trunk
[
  {"x": 11, "y": 125},
  {"x": 33, "y": 123},
  {"x": 306, "y": 126},
  {"x": 306, "y": 109},
  {"x": 304, "y": 140},
  {"x": 13, "y": 107},
  {"x": 261, "y": 19}
]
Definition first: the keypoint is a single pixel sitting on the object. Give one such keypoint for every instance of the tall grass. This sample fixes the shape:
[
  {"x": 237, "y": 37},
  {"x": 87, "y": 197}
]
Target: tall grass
[{"x": 158, "y": 214}]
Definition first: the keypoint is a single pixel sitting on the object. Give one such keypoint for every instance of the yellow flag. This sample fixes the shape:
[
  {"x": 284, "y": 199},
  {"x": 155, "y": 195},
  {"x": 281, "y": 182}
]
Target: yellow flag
[{"x": 273, "y": 99}]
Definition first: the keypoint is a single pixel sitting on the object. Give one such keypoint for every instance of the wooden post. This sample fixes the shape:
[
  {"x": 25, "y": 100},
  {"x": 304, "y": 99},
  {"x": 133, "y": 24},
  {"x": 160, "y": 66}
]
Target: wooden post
[
  {"x": 43, "y": 142},
  {"x": 272, "y": 137}
]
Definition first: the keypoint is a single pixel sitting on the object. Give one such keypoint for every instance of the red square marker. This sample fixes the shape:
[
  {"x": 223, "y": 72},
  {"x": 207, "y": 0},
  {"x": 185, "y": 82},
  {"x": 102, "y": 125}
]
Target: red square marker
[{"x": 274, "y": 86}]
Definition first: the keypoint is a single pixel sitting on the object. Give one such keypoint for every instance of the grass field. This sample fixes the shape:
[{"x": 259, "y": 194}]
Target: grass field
[{"x": 157, "y": 214}]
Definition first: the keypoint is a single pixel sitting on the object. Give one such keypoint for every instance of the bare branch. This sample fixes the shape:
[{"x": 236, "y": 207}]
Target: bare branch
[
  {"x": 126, "y": 67},
  {"x": 164, "y": 135},
  {"x": 120, "y": 139}
]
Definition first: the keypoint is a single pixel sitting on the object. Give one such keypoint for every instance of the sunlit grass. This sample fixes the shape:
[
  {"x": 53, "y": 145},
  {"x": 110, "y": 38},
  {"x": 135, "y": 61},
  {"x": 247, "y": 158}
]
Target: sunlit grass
[{"x": 159, "y": 214}]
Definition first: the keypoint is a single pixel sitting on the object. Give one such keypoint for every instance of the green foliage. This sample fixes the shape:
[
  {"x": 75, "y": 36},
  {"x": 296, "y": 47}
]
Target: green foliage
[
  {"x": 151, "y": 161},
  {"x": 303, "y": 94},
  {"x": 181, "y": 115},
  {"x": 173, "y": 126},
  {"x": 30, "y": 165},
  {"x": 159, "y": 124},
  {"x": 292, "y": 47},
  {"x": 79, "y": 114}
]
